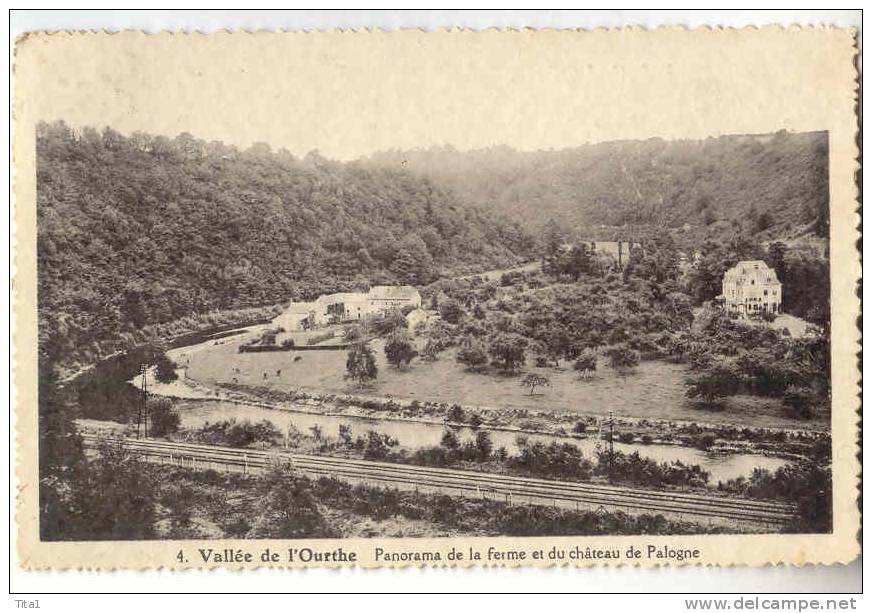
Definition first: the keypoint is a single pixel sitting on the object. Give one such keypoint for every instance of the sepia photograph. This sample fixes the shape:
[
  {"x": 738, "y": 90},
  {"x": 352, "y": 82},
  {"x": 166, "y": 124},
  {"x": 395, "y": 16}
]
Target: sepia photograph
[
  {"x": 285, "y": 303},
  {"x": 621, "y": 338}
]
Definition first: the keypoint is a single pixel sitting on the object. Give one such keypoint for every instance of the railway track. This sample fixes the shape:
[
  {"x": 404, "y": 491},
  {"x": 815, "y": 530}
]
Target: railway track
[{"x": 511, "y": 489}]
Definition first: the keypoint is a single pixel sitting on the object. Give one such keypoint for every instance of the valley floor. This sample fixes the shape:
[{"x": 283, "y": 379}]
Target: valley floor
[{"x": 654, "y": 390}]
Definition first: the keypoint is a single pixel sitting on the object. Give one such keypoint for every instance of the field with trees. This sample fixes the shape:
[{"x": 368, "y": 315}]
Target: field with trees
[
  {"x": 147, "y": 243},
  {"x": 578, "y": 336}
]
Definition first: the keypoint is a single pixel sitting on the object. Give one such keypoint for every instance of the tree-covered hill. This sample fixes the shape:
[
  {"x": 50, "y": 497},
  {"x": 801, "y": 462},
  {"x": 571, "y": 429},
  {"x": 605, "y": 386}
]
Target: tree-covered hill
[
  {"x": 769, "y": 186},
  {"x": 139, "y": 230}
]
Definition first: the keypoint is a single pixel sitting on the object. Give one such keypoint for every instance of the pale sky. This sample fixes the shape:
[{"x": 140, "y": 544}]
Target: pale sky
[{"x": 350, "y": 94}]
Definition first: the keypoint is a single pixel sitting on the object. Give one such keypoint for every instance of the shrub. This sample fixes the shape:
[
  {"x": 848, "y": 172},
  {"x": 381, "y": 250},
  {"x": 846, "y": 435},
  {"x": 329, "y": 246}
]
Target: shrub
[
  {"x": 622, "y": 358},
  {"x": 450, "y": 440},
  {"x": 163, "y": 419},
  {"x": 586, "y": 363},
  {"x": 360, "y": 364},
  {"x": 704, "y": 442},
  {"x": 554, "y": 460},
  {"x": 456, "y": 414},
  {"x": 165, "y": 370},
  {"x": 399, "y": 350},
  {"x": 239, "y": 434},
  {"x": 800, "y": 401},
  {"x": 483, "y": 444},
  {"x": 473, "y": 355},
  {"x": 451, "y": 311}
]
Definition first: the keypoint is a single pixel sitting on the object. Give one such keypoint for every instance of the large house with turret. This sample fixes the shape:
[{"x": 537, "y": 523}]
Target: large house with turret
[{"x": 751, "y": 288}]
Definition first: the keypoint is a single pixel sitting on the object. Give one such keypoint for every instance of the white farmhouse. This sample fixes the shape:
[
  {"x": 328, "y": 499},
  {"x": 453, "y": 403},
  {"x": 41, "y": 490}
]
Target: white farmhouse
[
  {"x": 347, "y": 306},
  {"x": 751, "y": 288}
]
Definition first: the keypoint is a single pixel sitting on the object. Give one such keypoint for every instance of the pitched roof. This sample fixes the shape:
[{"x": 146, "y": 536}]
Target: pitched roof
[
  {"x": 393, "y": 292},
  {"x": 341, "y": 297},
  {"x": 300, "y": 307}
]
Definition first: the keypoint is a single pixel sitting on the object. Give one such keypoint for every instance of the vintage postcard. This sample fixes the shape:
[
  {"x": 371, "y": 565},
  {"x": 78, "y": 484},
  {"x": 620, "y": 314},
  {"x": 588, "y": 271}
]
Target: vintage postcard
[{"x": 436, "y": 298}]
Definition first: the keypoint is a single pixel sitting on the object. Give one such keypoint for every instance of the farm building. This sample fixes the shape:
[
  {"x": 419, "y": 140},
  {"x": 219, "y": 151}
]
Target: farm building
[
  {"x": 751, "y": 288},
  {"x": 347, "y": 306}
]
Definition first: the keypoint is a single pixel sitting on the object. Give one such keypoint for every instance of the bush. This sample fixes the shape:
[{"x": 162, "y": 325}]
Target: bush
[
  {"x": 163, "y": 419},
  {"x": 483, "y": 444},
  {"x": 622, "y": 358},
  {"x": 239, "y": 434},
  {"x": 473, "y": 355},
  {"x": 456, "y": 414},
  {"x": 360, "y": 364},
  {"x": 800, "y": 401},
  {"x": 399, "y": 350},
  {"x": 586, "y": 363},
  {"x": 555, "y": 460},
  {"x": 451, "y": 311},
  {"x": 626, "y": 437},
  {"x": 634, "y": 468},
  {"x": 704, "y": 442},
  {"x": 165, "y": 370}
]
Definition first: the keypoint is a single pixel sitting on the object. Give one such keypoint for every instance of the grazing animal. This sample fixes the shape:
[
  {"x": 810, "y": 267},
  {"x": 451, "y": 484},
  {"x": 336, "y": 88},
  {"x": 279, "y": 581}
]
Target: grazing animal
[{"x": 297, "y": 358}]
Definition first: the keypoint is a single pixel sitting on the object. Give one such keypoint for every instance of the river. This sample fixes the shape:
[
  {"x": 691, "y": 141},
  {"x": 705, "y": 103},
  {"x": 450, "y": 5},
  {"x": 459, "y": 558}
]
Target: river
[{"x": 413, "y": 435}]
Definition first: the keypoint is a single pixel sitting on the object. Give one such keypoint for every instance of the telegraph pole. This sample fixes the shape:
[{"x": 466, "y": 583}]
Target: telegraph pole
[
  {"x": 611, "y": 442},
  {"x": 143, "y": 408}
]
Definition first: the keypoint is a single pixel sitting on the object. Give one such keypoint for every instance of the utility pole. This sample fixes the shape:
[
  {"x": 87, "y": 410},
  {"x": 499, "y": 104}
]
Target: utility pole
[
  {"x": 143, "y": 410},
  {"x": 611, "y": 443}
]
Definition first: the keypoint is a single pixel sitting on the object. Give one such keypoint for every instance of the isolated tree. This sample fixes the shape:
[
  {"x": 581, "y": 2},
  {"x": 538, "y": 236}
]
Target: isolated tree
[
  {"x": 360, "y": 364},
  {"x": 551, "y": 245},
  {"x": 533, "y": 381},
  {"x": 475, "y": 421},
  {"x": 483, "y": 444},
  {"x": 345, "y": 435},
  {"x": 586, "y": 363},
  {"x": 399, "y": 350},
  {"x": 450, "y": 440}
]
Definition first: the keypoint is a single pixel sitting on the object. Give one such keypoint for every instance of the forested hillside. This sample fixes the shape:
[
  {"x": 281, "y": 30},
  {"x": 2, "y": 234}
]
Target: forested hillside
[
  {"x": 771, "y": 186},
  {"x": 140, "y": 230}
]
